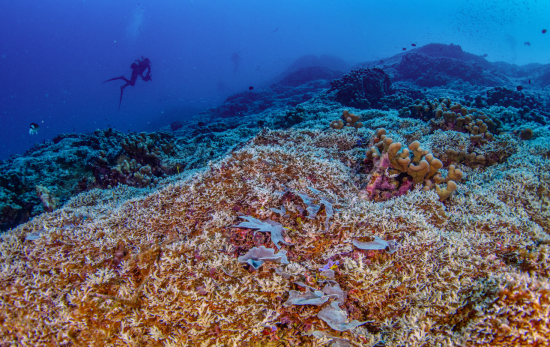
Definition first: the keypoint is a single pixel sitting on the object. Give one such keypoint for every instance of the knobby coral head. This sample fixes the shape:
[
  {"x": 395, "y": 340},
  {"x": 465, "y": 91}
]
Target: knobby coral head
[{"x": 394, "y": 170}]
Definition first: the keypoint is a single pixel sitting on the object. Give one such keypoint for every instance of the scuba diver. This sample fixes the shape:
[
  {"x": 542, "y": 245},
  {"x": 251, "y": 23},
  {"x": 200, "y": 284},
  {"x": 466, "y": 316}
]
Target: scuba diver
[{"x": 138, "y": 68}]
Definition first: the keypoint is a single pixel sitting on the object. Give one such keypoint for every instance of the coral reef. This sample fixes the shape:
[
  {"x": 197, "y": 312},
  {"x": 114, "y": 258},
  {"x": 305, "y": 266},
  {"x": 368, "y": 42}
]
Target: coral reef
[
  {"x": 308, "y": 74},
  {"x": 526, "y": 134},
  {"x": 395, "y": 170},
  {"x": 48, "y": 175},
  {"x": 362, "y": 88},
  {"x": 163, "y": 268},
  {"x": 470, "y": 135},
  {"x": 453, "y": 116},
  {"x": 73, "y": 163},
  {"x": 256, "y": 224},
  {"x": 176, "y": 125},
  {"x": 438, "y": 50},
  {"x": 502, "y": 96},
  {"x": 428, "y": 71},
  {"x": 78, "y": 162},
  {"x": 294, "y": 88},
  {"x": 348, "y": 119},
  {"x": 139, "y": 163}
]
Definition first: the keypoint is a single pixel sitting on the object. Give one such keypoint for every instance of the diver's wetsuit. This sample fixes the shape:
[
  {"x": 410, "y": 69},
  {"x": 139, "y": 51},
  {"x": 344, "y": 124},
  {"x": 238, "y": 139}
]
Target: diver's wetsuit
[{"x": 137, "y": 70}]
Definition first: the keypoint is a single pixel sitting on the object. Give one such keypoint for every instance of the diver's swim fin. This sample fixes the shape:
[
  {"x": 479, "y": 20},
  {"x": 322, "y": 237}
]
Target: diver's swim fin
[
  {"x": 120, "y": 102},
  {"x": 117, "y": 78}
]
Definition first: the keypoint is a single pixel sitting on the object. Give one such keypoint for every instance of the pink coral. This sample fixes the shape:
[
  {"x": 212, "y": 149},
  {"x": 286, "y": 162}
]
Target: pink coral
[
  {"x": 405, "y": 187},
  {"x": 384, "y": 162},
  {"x": 374, "y": 185},
  {"x": 387, "y": 185}
]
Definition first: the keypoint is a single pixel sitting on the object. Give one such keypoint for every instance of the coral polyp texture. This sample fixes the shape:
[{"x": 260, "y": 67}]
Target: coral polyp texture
[{"x": 275, "y": 245}]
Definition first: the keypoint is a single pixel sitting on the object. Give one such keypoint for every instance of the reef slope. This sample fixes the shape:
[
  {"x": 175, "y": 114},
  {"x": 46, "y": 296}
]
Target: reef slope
[
  {"x": 163, "y": 269},
  {"x": 357, "y": 212}
]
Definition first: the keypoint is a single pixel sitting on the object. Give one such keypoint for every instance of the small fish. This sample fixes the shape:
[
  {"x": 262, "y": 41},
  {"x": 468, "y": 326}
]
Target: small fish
[
  {"x": 527, "y": 43},
  {"x": 33, "y": 129},
  {"x": 413, "y": 44},
  {"x": 33, "y": 236},
  {"x": 544, "y": 31},
  {"x": 519, "y": 88},
  {"x": 529, "y": 81},
  {"x": 250, "y": 88},
  {"x": 404, "y": 49}
]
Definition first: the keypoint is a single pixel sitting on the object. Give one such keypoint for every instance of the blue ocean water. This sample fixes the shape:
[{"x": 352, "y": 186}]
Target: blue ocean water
[{"x": 55, "y": 55}]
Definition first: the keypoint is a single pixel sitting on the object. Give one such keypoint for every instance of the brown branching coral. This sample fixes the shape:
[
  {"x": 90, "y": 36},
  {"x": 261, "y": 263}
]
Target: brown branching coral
[
  {"x": 520, "y": 313},
  {"x": 164, "y": 270}
]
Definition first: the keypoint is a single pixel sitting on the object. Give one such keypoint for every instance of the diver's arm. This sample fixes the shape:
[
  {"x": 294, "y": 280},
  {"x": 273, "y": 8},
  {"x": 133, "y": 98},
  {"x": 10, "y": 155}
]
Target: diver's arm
[
  {"x": 147, "y": 75},
  {"x": 148, "y": 72}
]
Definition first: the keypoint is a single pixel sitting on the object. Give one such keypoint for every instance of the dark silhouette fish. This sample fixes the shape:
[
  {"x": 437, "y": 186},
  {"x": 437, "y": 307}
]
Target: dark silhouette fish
[
  {"x": 250, "y": 88},
  {"x": 519, "y": 88},
  {"x": 527, "y": 43},
  {"x": 33, "y": 129},
  {"x": 404, "y": 49},
  {"x": 412, "y": 44},
  {"x": 544, "y": 31},
  {"x": 529, "y": 81}
]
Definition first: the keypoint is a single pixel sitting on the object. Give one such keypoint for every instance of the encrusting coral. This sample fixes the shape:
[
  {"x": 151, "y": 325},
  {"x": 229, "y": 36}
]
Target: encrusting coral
[{"x": 163, "y": 269}]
